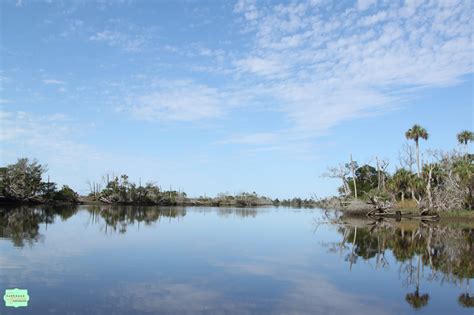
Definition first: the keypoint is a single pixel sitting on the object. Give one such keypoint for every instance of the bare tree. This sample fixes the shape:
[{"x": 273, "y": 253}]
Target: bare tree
[
  {"x": 451, "y": 193},
  {"x": 407, "y": 157},
  {"x": 429, "y": 179},
  {"x": 94, "y": 188},
  {"x": 379, "y": 181},
  {"x": 383, "y": 167},
  {"x": 352, "y": 165},
  {"x": 341, "y": 172}
]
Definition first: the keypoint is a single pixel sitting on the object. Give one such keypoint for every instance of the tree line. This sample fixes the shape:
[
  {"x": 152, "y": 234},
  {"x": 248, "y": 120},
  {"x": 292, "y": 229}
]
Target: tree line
[
  {"x": 443, "y": 181},
  {"x": 22, "y": 182}
]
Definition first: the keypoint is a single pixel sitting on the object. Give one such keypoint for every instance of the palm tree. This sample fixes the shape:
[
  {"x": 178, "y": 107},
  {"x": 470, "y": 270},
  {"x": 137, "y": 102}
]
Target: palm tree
[
  {"x": 465, "y": 299},
  {"x": 415, "y": 299},
  {"x": 464, "y": 137},
  {"x": 400, "y": 182},
  {"x": 416, "y": 133}
]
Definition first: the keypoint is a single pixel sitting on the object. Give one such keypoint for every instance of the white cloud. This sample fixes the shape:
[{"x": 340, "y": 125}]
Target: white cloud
[
  {"x": 73, "y": 27},
  {"x": 248, "y": 8},
  {"x": 51, "y": 133},
  {"x": 307, "y": 292},
  {"x": 365, "y": 4},
  {"x": 323, "y": 70},
  {"x": 127, "y": 42},
  {"x": 175, "y": 101},
  {"x": 373, "y": 19},
  {"x": 318, "y": 69},
  {"x": 259, "y": 138},
  {"x": 260, "y": 66},
  {"x": 53, "y": 82}
]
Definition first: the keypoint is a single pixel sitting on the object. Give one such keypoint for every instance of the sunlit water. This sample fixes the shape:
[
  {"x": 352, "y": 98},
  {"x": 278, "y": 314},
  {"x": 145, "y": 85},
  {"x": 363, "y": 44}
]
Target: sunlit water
[{"x": 149, "y": 260}]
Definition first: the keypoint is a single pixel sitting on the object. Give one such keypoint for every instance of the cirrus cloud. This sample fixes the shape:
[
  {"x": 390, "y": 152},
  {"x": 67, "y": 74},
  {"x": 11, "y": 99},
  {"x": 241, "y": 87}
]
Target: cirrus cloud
[
  {"x": 338, "y": 62},
  {"x": 175, "y": 101}
]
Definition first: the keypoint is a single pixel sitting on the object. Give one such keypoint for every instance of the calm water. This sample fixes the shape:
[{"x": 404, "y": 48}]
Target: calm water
[{"x": 129, "y": 260}]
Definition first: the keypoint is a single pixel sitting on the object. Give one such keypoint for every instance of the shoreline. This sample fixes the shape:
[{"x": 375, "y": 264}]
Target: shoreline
[{"x": 406, "y": 213}]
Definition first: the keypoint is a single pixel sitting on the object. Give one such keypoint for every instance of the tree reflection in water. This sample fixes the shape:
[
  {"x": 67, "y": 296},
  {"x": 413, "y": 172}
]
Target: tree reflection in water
[
  {"x": 22, "y": 224},
  {"x": 447, "y": 249},
  {"x": 119, "y": 218},
  {"x": 465, "y": 299}
]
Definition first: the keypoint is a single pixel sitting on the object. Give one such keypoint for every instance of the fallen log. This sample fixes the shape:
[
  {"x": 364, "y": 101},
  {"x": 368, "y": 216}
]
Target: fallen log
[
  {"x": 105, "y": 200},
  {"x": 398, "y": 214}
]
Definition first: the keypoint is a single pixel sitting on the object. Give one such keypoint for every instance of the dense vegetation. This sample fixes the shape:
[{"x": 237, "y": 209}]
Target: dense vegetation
[
  {"x": 446, "y": 251},
  {"x": 443, "y": 181},
  {"x": 22, "y": 182}
]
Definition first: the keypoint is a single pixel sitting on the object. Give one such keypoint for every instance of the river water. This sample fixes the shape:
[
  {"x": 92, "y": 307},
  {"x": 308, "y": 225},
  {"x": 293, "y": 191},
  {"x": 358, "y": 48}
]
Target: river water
[{"x": 152, "y": 260}]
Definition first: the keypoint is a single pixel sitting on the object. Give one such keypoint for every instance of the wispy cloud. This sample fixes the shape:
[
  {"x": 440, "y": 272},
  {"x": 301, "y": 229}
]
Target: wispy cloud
[
  {"x": 53, "y": 82},
  {"x": 46, "y": 133},
  {"x": 320, "y": 70},
  {"x": 57, "y": 140},
  {"x": 267, "y": 76},
  {"x": 307, "y": 291},
  {"x": 181, "y": 100},
  {"x": 359, "y": 61},
  {"x": 127, "y": 42},
  {"x": 259, "y": 138},
  {"x": 261, "y": 66},
  {"x": 365, "y": 4}
]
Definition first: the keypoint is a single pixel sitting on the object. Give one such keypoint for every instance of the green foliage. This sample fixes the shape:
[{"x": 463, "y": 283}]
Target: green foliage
[
  {"x": 399, "y": 183},
  {"x": 445, "y": 183},
  {"x": 22, "y": 181},
  {"x": 240, "y": 200},
  {"x": 121, "y": 190},
  {"x": 366, "y": 179},
  {"x": 416, "y": 132},
  {"x": 48, "y": 190},
  {"x": 66, "y": 194},
  {"x": 417, "y": 187},
  {"x": 172, "y": 198},
  {"x": 465, "y": 136},
  {"x": 463, "y": 169}
]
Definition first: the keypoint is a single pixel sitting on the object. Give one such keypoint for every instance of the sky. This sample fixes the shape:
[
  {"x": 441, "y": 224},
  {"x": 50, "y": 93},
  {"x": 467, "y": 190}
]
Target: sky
[{"x": 215, "y": 96}]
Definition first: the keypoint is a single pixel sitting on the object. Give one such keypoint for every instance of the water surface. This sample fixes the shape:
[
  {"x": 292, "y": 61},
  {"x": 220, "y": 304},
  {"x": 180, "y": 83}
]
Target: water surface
[{"x": 147, "y": 260}]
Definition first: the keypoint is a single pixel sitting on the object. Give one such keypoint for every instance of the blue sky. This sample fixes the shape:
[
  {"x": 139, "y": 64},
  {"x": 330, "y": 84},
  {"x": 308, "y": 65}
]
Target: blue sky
[{"x": 215, "y": 96}]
